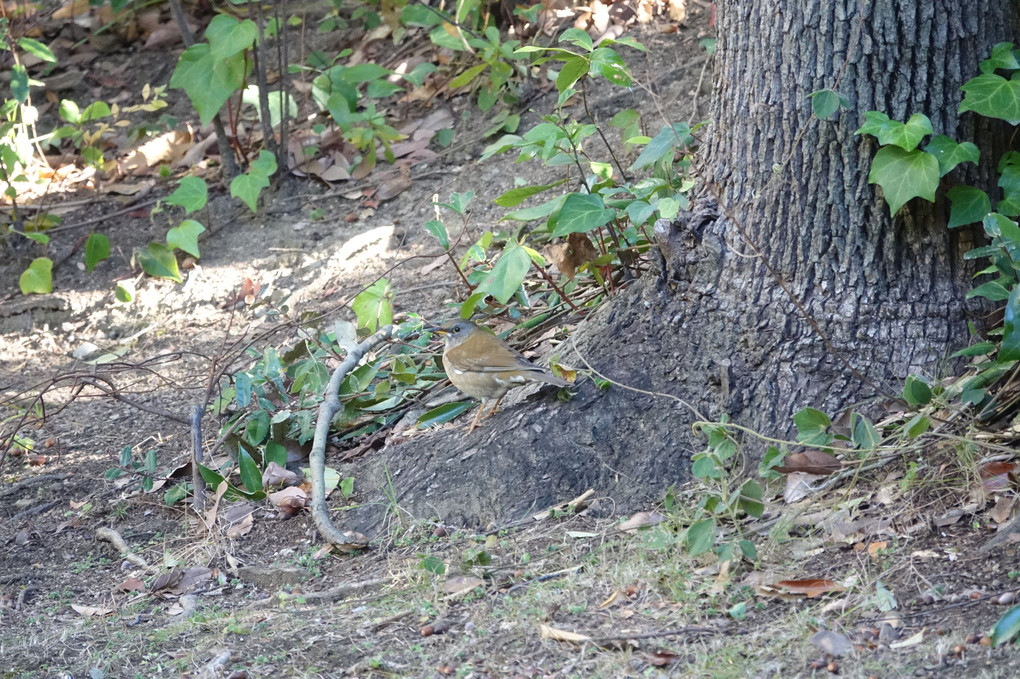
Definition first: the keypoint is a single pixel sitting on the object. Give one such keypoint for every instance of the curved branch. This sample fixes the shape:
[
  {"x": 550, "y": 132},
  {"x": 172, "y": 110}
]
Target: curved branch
[{"x": 317, "y": 458}]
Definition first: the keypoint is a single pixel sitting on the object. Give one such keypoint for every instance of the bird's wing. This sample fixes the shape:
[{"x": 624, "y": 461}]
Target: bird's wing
[{"x": 496, "y": 358}]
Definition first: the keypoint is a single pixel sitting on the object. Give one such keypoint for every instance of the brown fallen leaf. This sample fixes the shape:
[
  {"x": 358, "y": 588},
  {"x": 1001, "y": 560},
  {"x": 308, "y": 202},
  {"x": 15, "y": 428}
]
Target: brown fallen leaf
[
  {"x": 641, "y": 520},
  {"x": 570, "y": 256},
  {"x": 806, "y": 588},
  {"x": 131, "y": 585},
  {"x": 814, "y": 462}
]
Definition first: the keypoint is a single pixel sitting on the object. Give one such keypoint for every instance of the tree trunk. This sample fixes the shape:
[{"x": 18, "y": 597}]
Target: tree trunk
[{"x": 786, "y": 200}]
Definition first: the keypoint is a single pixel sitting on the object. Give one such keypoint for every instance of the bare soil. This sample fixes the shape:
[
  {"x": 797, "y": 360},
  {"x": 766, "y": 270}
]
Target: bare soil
[{"x": 918, "y": 596}]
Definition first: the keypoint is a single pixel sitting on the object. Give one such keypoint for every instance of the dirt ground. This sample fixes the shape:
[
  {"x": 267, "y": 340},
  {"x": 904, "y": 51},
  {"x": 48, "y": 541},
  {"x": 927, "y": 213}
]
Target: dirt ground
[{"x": 915, "y": 597}]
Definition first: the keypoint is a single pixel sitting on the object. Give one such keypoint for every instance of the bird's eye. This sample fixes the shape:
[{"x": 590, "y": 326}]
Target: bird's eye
[{"x": 457, "y": 328}]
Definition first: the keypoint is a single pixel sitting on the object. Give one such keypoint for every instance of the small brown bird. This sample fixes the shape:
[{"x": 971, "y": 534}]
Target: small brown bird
[{"x": 484, "y": 367}]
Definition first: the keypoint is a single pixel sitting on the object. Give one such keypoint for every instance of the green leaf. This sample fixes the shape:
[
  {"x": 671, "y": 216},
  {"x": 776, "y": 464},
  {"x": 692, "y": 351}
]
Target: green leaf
[
  {"x": 1009, "y": 350},
  {"x": 19, "y": 83},
  {"x": 69, "y": 111},
  {"x": 122, "y": 294},
  {"x": 515, "y": 197},
  {"x": 442, "y": 414},
  {"x": 978, "y": 349},
  {"x": 751, "y": 499},
  {"x": 1001, "y": 57},
  {"x": 662, "y": 145},
  {"x": 916, "y": 391},
  {"x": 824, "y": 103},
  {"x": 151, "y": 461},
  {"x": 904, "y": 175},
  {"x": 950, "y": 154},
  {"x": 347, "y": 486},
  {"x": 700, "y": 536},
  {"x": 125, "y": 456},
  {"x": 969, "y": 205},
  {"x": 917, "y": 425},
  {"x": 1009, "y": 182},
  {"x": 536, "y": 211},
  {"x": 1007, "y": 627},
  {"x": 207, "y": 80},
  {"x": 438, "y": 229},
  {"x": 908, "y": 135},
  {"x": 192, "y": 194},
  {"x": 38, "y": 49},
  {"x": 95, "y": 111},
  {"x": 275, "y": 452},
  {"x": 433, "y": 564},
  {"x": 467, "y": 76},
  {"x": 812, "y": 426},
  {"x": 257, "y": 428},
  {"x": 579, "y": 37},
  {"x": 573, "y": 69},
  {"x": 175, "y": 494},
  {"x": 97, "y": 248},
  {"x": 992, "y": 290},
  {"x": 607, "y": 63},
  {"x": 38, "y": 277},
  {"x": 581, "y": 213},
  {"x": 251, "y": 477},
  {"x": 158, "y": 260},
  {"x": 992, "y": 96},
  {"x": 875, "y": 122},
  {"x": 228, "y": 36},
  {"x": 507, "y": 275},
  {"x": 863, "y": 433},
  {"x": 748, "y": 549},
  {"x": 185, "y": 237},
  {"x": 374, "y": 305},
  {"x": 247, "y": 187}
]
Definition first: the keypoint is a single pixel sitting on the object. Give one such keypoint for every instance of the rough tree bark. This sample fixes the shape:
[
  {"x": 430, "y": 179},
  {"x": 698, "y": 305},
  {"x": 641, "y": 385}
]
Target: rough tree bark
[{"x": 717, "y": 330}]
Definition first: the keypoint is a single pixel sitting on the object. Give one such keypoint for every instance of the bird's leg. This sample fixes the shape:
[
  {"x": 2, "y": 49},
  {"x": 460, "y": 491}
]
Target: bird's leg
[
  {"x": 478, "y": 416},
  {"x": 492, "y": 410}
]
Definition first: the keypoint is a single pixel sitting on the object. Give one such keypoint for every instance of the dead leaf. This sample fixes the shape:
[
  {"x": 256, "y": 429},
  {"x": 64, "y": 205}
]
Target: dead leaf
[
  {"x": 875, "y": 549},
  {"x": 275, "y": 475},
  {"x": 167, "y": 580},
  {"x": 289, "y": 500},
  {"x": 570, "y": 256},
  {"x": 191, "y": 579},
  {"x": 641, "y": 520},
  {"x": 461, "y": 584},
  {"x": 1003, "y": 509},
  {"x": 835, "y": 644},
  {"x": 90, "y": 611},
  {"x": 610, "y": 600},
  {"x": 814, "y": 462},
  {"x": 806, "y": 588},
  {"x": 912, "y": 640},
  {"x": 242, "y": 527},
  {"x": 132, "y": 585},
  {"x": 661, "y": 658},
  {"x": 562, "y": 635},
  {"x": 799, "y": 486},
  {"x": 949, "y": 518}
]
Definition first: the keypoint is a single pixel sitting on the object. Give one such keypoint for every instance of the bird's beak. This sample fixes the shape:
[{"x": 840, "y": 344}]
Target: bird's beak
[{"x": 437, "y": 329}]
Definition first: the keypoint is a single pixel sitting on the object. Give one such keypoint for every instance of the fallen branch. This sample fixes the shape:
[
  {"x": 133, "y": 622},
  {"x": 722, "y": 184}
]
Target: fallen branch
[
  {"x": 317, "y": 457},
  {"x": 114, "y": 537}
]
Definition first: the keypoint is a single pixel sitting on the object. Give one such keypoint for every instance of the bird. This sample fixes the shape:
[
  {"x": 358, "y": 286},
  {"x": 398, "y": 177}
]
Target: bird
[{"x": 482, "y": 366}]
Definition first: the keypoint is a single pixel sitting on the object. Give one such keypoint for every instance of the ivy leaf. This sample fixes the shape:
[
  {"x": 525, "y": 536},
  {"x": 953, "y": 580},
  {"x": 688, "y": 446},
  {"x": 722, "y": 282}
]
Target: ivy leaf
[
  {"x": 192, "y": 194},
  {"x": 581, "y": 213},
  {"x": 158, "y": 260},
  {"x": 374, "y": 305},
  {"x": 950, "y": 154},
  {"x": 904, "y": 175},
  {"x": 438, "y": 229},
  {"x": 662, "y": 144},
  {"x": 969, "y": 205},
  {"x": 229, "y": 37},
  {"x": 515, "y": 197},
  {"x": 38, "y": 277},
  {"x": 97, "y": 248},
  {"x": 185, "y": 237},
  {"x": 1007, "y": 627},
  {"x": 875, "y": 123},
  {"x": 507, "y": 275},
  {"x": 824, "y": 103},
  {"x": 751, "y": 499},
  {"x": 992, "y": 96},
  {"x": 906, "y": 135},
  {"x": 863, "y": 433},
  {"x": 207, "y": 80},
  {"x": 1009, "y": 182},
  {"x": 1001, "y": 57}
]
